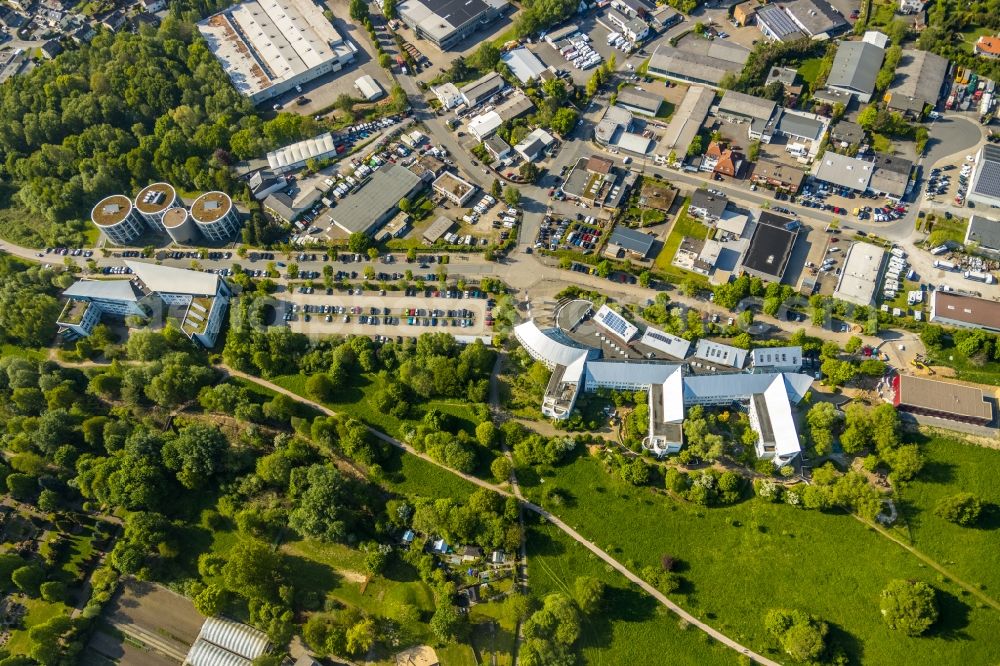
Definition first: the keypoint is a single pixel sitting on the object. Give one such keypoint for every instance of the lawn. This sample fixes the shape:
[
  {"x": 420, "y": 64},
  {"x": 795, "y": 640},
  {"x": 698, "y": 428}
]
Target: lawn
[
  {"x": 809, "y": 69},
  {"x": 883, "y": 12},
  {"x": 409, "y": 475},
  {"x": 632, "y": 628},
  {"x": 684, "y": 225},
  {"x": 39, "y": 611},
  {"x": 742, "y": 560},
  {"x": 970, "y": 37},
  {"x": 881, "y": 143},
  {"x": 953, "y": 466},
  {"x": 965, "y": 369}
]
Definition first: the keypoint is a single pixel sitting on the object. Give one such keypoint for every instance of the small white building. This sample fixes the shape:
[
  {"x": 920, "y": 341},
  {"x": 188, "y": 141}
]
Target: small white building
[
  {"x": 532, "y": 147},
  {"x": 483, "y": 126},
  {"x": 717, "y": 354},
  {"x": 448, "y": 95},
  {"x": 369, "y": 88},
  {"x": 457, "y": 190},
  {"x": 776, "y": 359}
]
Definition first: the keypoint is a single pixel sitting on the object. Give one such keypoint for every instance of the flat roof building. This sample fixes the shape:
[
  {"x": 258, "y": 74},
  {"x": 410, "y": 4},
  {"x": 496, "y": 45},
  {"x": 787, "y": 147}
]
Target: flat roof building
[
  {"x": 951, "y": 309},
  {"x": 985, "y": 233},
  {"x": 367, "y": 209},
  {"x": 454, "y": 188},
  {"x": 698, "y": 60},
  {"x": 438, "y": 228},
  {"x": 448, "y": 95},
  {"x": 985, "y": 181},
  {"x": 686, "y": 122},
  {"x": 719, "y": 354},
  {"x": 943, "y": 400},
  {"x": 855, "y": 68},
  {"x": 770, "y": 247},
  {"x": 667, "y": 343},
  {"x": 852, "y": 173},
  {"x": 484, "y": 125},
  {"x": 891, "y": 175},
  {"x": 860, "y": 275},
  {"x": 215, "y": 216},
  {"x": 614, "y": 323},
  {"x": 447, "y": 22},
  {"x": 153, "y": 202},
  {"x": 776, "y": 24},
  {"x": 267, "y": 47},
  {"x": 776, "y": 359},
  {"x": 117, "y": 219},
  {"x": 815, "y": 19}
]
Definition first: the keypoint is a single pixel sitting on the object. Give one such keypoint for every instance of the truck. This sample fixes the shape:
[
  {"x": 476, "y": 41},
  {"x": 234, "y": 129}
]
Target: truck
[
  {"x": 944, "y": 265},
  {"x": 979, "y": 276}
]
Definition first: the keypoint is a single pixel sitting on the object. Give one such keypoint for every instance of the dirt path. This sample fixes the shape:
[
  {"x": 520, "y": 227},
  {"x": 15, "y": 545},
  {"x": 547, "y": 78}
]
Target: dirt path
[
  {"x": 621, "y": 568},
  {"x": 975, "y": 591}
]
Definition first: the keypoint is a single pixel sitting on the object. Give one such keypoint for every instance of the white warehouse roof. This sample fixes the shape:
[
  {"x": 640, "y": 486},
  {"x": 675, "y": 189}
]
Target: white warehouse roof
[
  {"x": 297, "y": 153},
  {"x": 226, "y": 643},
  {"x": 523, "y": 64},
  {"x": 368, "y": 87},
  {"x": 166, "y": 279}
]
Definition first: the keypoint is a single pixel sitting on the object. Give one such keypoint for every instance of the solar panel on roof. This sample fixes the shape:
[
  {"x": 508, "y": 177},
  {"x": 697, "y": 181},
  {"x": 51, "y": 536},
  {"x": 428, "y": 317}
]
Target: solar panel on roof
[{"x": 615, "y": 323}]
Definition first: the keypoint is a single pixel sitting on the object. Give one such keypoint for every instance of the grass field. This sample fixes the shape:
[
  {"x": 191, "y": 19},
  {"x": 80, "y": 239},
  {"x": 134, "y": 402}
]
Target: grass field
[
  {"x": 39, "y": 611},
  {"x": 981, "y": 373},
  {"x": 742, "y": 560},
  {"x": 632, "y": 628},
  {"x": 684, "y": 225},
  {"x": 809, "y": 69},
  {"x": 953, "y": 466}
]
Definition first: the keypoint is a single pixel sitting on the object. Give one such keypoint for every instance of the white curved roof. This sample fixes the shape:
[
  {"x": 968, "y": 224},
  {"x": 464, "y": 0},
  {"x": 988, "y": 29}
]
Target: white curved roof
[
  {"x": 544, "y": 346},
  {"x": 203, "y": 653},
  {"x": 240, "y": 639},
  {"x": 298, "y": 153}
]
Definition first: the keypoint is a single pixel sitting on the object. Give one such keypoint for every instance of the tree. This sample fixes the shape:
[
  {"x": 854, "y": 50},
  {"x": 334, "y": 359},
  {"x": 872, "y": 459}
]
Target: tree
[
  {"x": 22, "y": 486},
  {"x": 852, "y": 345},
  {"x": 389, "y": 8},
  {"x": 447, "y": 623},
  {"x": 404, "y": 205},
  {"x": 358, "y": 10},
  {"x": 604, "y": 268},
  {"x": 486, "y": 56},
  {"x": 564, "y": 120},
  {"x": 496, "y": 189},
  {"x": 821, "y": 420},
  {"x": 486, "y": 433},
  {"x": 321, "y": 512},
  {"x": 361, "y": 636},
  {"x": 196, "y": 454},
  {"x": 512, "y": 196},
  {"x": 909, "y": 606},
  {"x": 358, "y": 242},
  {"x": 696, "y": 147},
  {"x": 962, "y": 508},
  {"x": 320, "y": 387},
  {"x": 932, "y": 335},
  {"x": 528, "y": 171},
  {"x": 589, "y": 592},
  {"x": 28, "y": 579},
  {"x": 53, "y": 590},
  {"x": 253, "y": 570},
  {"x": 501, "y": 468},
  {"x": 801, "y": 636},
  {"x": 211, "y": 601},
  {"x": 867, "y": 117}
]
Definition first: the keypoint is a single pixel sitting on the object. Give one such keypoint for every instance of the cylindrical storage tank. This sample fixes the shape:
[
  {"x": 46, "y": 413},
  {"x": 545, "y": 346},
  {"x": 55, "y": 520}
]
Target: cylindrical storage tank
[
  {"x": 153, "y": 201},
  {"x": 117, "y": 219},
  {"x": 216, "y": 216},
  {"x": 178, "y": 223}
]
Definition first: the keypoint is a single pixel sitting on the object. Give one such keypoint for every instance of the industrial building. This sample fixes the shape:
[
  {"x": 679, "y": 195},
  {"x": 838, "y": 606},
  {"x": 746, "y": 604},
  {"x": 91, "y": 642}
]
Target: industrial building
[
  {"x": 447, "y": 22},
  {"x": 268, "y": 47},
  {"x": 482, "y": 89},
  {"x": 215, "y": 216},
  {"x": 860, "y": 274},
  {"x": 367, "y": 209},
  {"x": 852, "y": 173},
  {"x": 524, "y": 64},
  {"x": 985, "y": 233},
  {"x": 198, "y": 300},
  {"x": 771, "y": 247},
  {"x": 532, "y": 147},
  {"x": 768, "y": 397},
  {"x": 943, "y": 400},
  {"x": 639, "y": 101},
  {"x": 919, "y": 80},
  {"x": 697, "y": 60},
  {"x": 951, "y": 309},
  {"x": 985, "y": 181},
  {"x": 855, "y": 68},
  {"x": 629, "y": 242},
  {"x": 686, "y": 122},
  {"x": 796, "y": 19}
]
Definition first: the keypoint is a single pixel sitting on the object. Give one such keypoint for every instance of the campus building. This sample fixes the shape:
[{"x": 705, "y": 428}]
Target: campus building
[
  {"x": 118, "y": 219},
  {"x": 768, "y": 397},
  {"x": 197, "y": 300},
  {"x": 268, "y": 47},
  {"x": 215, "y": 216},
  {"x": 154, "y": 201}
]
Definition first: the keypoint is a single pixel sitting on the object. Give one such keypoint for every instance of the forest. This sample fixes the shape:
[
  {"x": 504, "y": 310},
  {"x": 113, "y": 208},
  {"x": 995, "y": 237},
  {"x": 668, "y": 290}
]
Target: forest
[{"x": 116, "y": 114}]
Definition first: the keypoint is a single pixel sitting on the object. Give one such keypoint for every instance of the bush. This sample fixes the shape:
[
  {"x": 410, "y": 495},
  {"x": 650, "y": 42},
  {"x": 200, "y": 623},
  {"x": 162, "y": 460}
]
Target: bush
[
  {"x": 53, "y": 591},
  {"x": 28, "y": 578},
  {"x": 909, "y": 606},
  {"x": 962, "y": 509}
]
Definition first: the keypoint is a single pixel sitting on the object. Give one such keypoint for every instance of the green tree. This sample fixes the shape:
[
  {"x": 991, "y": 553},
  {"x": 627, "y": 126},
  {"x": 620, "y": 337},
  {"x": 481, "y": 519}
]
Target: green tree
[
  {"x": 962, "y": 508},
  {"x": 511, "y": 195},
  {"x": 564, "y": 120},
  {"x": 448, "y": 624},
  {"x": 496, "y": 189},
  {"x": 501, "y": 468},
  {"x": 909, "y": 606},
  {"x": 197, "y": 454},
  {"x": 358, "y": 9},
  {"x": 358, "y": 242},
  {"x": 53, "y": 591},
  {"x": 28, "y": 579},
  {"x": 589, "y": 593},
  {"x": 211, "y": 601}
]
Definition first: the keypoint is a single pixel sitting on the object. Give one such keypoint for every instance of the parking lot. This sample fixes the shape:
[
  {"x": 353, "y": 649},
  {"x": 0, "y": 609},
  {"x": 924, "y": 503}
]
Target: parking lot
[{"x": 392, "y": 315}]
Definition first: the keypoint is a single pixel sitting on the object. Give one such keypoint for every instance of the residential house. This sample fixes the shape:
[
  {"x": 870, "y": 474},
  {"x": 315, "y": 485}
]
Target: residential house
[
  {"x": 51, "y": 48},
  {"x": 707, "y": 206},
  {"x": 911, "y": 6},
  {"x": 448, "y": 95},
  {"x": 631, "y": 242},
  {"x": 778, "y": 175},
  {"x": 846, "y": 134},
  {"x": 723, "y": 161},
  {"x": 497, "y": 147},
  {"x": 532, "y": 148},
  {"x": 987, "y": 46}
]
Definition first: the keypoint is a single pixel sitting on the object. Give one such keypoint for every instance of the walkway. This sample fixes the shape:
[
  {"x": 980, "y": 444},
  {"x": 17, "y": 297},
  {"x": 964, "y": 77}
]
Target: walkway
[{"x": 656, "y": 594}]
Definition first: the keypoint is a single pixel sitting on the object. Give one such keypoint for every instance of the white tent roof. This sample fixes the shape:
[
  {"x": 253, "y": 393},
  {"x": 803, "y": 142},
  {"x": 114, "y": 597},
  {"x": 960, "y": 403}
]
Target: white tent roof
[
  {"x": 235, "y": 637},
  {"x": 203, "y": 653},
  {"x": 174, "y": 280},
  {"x": 298, "y": 153}
]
